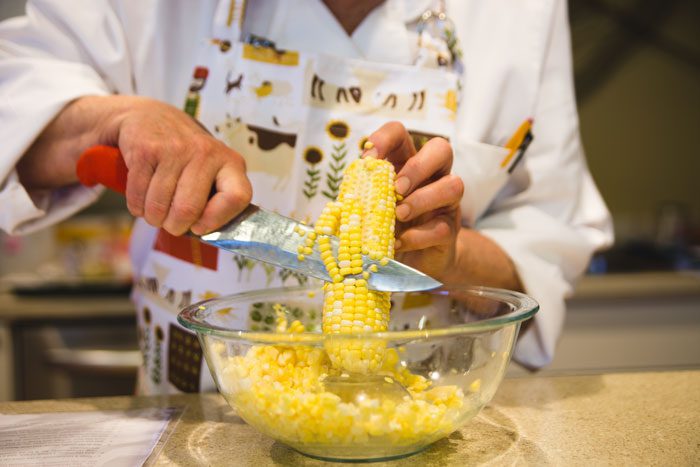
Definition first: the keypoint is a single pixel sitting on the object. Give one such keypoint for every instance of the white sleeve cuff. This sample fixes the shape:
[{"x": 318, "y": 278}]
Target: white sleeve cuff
[
  {"x": 543, "y": 282},
  {"x": 548, "y": 256},
  {"x": 25, "y": 212},
  {"x": 30, "y": 102}
]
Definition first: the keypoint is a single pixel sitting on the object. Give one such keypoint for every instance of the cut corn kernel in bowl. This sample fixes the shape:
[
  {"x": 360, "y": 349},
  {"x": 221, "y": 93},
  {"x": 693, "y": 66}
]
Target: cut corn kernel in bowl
[{"x": 444, "y": 355}]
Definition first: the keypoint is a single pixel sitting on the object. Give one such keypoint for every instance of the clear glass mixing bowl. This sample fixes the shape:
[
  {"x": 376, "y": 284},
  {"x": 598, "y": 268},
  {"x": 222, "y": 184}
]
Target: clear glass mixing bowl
[{"x": 442, "y": 360}]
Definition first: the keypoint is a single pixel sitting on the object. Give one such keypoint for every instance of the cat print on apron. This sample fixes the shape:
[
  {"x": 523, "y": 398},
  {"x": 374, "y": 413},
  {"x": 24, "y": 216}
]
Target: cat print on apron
[{"x": 298, "y": 119}]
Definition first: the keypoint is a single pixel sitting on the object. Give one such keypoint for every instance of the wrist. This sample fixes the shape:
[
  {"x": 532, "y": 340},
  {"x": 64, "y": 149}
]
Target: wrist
[
  {"x": 89, "y": 120},
  {"x": 455, "y": 273},
  {"x": 478, "y": 260},
  {"x": 106, "y": 115}
]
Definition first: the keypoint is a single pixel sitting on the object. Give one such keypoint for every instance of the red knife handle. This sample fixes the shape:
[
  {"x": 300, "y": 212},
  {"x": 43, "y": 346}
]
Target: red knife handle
[{"x": 103, "y": 165}]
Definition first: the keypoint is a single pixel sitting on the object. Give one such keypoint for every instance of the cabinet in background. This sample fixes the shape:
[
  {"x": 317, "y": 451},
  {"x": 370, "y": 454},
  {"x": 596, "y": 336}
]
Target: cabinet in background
[{"x": 629, "y": 322}]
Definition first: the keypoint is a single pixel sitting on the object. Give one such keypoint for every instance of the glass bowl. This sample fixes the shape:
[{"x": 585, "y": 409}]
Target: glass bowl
[{"x": 440, "y": 362}]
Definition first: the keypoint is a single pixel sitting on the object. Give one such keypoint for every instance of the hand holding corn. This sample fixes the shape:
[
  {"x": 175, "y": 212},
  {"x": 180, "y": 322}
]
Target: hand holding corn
[{"x": 429, "y": 214}]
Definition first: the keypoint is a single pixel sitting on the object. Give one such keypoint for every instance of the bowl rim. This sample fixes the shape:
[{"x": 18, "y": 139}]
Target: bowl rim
[{"x": 525, "y": 307}]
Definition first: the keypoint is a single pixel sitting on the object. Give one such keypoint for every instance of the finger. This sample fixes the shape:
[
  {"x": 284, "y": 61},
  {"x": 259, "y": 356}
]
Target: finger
[
  {"x": 436, "y": 232},
  {"x": 234, "y": 193},
  {"x": 432, "y": 161},
  {"x": 391, "y": 142},
  {"x": 445, "y": 192},
  {"x": 140, "y": 174},
  {"x": 190, "y": 198},
  {"x": 161, "y": 189},
  {"x": 159, "y": 196}
]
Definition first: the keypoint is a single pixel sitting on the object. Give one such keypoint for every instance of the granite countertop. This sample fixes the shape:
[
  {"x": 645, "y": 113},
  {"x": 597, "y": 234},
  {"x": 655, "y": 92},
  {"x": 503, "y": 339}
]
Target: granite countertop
[{"x": 613, "y": 419}]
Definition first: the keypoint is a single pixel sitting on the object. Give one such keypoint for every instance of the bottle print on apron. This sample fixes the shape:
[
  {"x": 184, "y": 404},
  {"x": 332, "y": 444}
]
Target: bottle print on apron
[{"x": 298, "y": 119}]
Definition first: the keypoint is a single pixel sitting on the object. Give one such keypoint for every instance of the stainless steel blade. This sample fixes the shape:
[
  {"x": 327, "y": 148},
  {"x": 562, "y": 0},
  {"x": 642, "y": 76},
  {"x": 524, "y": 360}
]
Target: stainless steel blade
[{"x": 269, "y": 237}]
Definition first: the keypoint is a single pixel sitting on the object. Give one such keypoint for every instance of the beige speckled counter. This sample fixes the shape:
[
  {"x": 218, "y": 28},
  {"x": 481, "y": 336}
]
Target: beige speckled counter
[{"x": 614, "y": 419}]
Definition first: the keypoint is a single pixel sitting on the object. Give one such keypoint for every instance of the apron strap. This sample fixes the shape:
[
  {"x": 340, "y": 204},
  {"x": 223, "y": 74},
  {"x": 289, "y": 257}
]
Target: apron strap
[{"x": 228, "y": 20}]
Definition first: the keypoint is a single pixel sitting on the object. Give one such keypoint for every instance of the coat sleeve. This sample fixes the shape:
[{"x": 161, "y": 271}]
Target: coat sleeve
[
  {"x": 552, "y": 226},
  {"x": 58, "y": 52}
]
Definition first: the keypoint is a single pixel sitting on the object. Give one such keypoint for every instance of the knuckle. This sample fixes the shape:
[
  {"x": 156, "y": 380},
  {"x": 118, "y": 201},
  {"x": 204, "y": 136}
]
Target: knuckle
[
  {"x": 442, "y": 229},
  {"x": 409, "y": 143},
  {"x": 237, "y": 199},
  {"x": 185, "y": 211},
  {"x": 179, "y": 148},
  {"x": 202, "y": 146},
  {"x": 174, "y": 228},
  {"x": 396, "y": 127},
  {"x": 247, "y": 196},
  {"x": 144, "y": 154},
  {"x": 440, "y": 145},
  {"x": 455, "y": 186},
  {"x": 417, "y": 165},
  {"x": 134, "y": 203},
  {"x": 406, "y": 244},
  {"x": 408, "y": 240},
  {"x": 448, "y": 228},
  {"x": 388, "y": 134},
  {"x": 235, "y": 158},
  {"x": 156, "y": 210},
  {"x": 134, "y": 209},
  {"x": 242, "y": 162}
]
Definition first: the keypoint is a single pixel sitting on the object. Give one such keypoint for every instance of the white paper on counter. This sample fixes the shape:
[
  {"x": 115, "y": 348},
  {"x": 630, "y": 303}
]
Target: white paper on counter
[{"x": 105, "y": 438}]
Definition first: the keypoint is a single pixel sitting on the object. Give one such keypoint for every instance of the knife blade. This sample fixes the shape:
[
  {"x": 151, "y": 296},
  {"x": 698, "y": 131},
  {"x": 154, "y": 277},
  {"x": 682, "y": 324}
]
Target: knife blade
[
  {"x": 272, "y": 238},
  {"x": 257, "y": 233}
]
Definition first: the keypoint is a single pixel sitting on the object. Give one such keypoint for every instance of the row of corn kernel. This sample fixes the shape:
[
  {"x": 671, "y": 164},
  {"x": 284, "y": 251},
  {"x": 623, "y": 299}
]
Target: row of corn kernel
[{"x": 363, "y": 219}]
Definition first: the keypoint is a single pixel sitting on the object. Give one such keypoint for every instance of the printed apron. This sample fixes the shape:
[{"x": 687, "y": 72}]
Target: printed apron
[{"x": 298, "y": 119}]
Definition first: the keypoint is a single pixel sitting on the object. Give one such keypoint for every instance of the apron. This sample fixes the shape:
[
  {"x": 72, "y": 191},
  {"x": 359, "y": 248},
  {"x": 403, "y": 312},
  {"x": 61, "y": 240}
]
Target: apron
[{"x": 298, "y": 119}]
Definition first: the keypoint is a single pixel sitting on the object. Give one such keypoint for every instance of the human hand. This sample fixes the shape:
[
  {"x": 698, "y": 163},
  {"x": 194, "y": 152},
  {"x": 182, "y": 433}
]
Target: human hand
[
  {"x": 173, "y": 162},
  {"x": 428, "y": 218}
]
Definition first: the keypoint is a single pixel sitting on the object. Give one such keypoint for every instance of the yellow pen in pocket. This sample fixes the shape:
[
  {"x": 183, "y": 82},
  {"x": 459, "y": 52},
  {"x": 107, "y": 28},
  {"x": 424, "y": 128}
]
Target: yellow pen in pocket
[{"x": 518, "y": 143}]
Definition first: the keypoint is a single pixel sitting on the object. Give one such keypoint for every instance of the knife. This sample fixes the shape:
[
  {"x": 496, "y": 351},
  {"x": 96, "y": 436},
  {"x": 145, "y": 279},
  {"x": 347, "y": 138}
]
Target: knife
[{"x": 257, "y": 233}]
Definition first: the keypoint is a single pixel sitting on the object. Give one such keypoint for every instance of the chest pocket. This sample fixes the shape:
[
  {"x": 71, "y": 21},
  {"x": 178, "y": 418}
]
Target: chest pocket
[{"x": 479, "y": 166}]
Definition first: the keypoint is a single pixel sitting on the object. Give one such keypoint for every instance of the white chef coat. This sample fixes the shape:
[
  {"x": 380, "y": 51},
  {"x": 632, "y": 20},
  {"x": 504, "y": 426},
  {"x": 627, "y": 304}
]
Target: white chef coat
[{"x": 549, "y": 218}]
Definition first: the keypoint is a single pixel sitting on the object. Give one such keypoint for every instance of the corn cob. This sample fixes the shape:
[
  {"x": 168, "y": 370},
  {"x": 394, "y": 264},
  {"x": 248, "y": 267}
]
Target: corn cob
[{"x": 363, "y": 219}]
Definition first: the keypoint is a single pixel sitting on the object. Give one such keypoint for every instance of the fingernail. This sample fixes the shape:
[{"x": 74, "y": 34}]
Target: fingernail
[
  {"x": 402, "y": 211},
  {"x": 397, "y": 244},
  {"x": 371, "y": 153},
  {"x": 402, "y": 185},
  {"x": 368, "y": 145}
]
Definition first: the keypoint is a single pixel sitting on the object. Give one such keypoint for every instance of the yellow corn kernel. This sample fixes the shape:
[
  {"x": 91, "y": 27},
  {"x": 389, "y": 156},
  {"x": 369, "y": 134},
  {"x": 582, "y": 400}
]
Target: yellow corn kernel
[
  {"x": 475, "y": 386},
  {"x": 296, "y": 327}
]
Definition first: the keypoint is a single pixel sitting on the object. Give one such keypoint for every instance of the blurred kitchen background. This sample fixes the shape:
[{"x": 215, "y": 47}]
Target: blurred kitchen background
[{"x": 67, "y": 328}]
